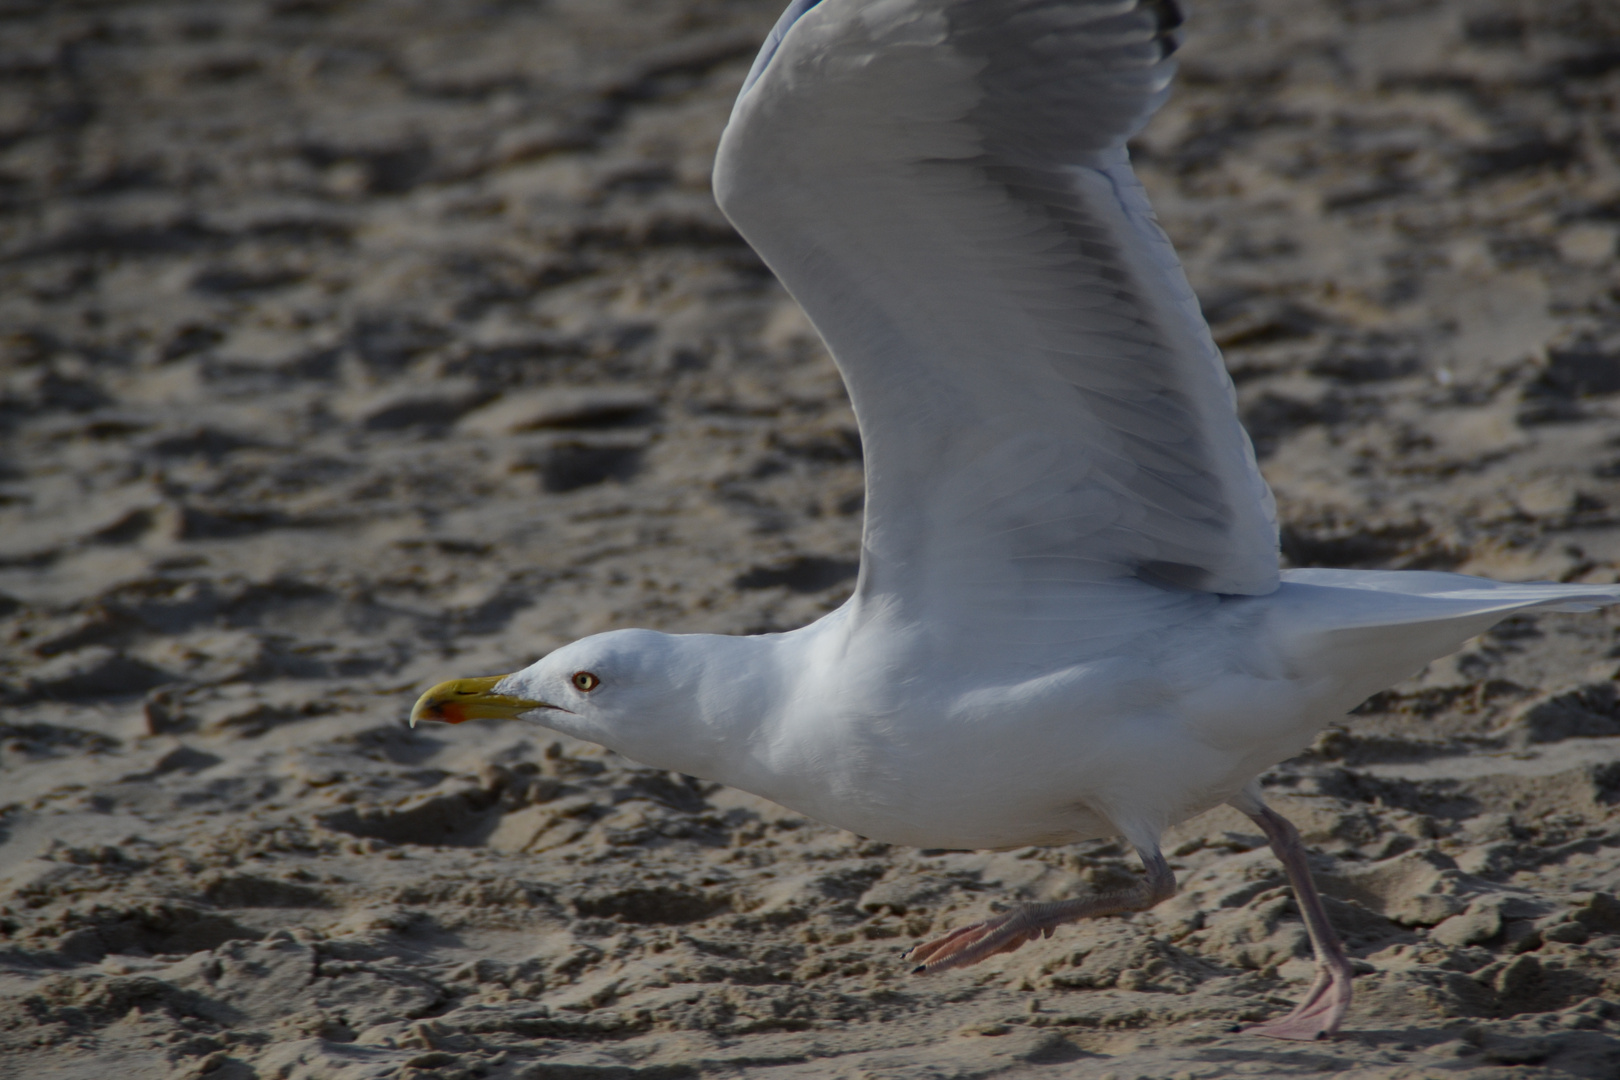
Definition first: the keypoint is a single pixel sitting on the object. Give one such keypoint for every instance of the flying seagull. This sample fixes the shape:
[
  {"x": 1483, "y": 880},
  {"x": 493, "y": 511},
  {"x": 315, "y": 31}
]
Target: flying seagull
[{"x": 1069, "y": 621}]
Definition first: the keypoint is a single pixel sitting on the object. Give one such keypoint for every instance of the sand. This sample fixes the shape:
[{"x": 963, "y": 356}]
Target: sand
[{"x": 350, "y": 345}]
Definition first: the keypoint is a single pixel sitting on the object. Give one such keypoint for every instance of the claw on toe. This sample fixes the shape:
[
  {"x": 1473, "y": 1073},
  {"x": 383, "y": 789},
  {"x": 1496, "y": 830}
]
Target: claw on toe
[
  {"x": 968, "y": 945},
  {"x": 939, "y": 953},
  {"x": 1294, "y": 1029},
  {"x": 1301, "y": 1025},
  {"x": 1317, "y": 1017}
]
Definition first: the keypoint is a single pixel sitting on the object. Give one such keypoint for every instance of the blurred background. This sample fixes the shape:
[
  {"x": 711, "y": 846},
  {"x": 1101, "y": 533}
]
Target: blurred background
[{"x": 349, "y": 345}]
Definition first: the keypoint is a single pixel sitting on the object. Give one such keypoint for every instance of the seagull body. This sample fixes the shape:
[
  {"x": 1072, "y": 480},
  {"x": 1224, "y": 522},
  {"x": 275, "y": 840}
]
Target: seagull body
[
  {"x": 866, "y": 723},
  {"x": 1069, "y": 620}
]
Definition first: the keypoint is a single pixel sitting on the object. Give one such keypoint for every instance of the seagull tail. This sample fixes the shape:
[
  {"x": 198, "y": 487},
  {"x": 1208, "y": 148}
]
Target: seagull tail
[{"x": 1370, "y": 628}]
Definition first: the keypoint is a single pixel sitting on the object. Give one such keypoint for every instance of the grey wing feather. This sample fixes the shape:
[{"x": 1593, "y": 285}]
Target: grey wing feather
[{"x": 943, "y": 186}]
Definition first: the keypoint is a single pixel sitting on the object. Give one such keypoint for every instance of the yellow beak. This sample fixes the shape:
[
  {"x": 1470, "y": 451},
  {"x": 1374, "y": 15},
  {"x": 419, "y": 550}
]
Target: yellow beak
[{"x": 460, "y": 700}]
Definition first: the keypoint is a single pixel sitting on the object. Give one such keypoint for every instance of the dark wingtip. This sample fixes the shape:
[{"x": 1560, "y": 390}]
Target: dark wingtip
[
  {"x": 920, "y": 969},
  {"x": 1168, "y": 14},
  {"x": 1175, "y": 575}
]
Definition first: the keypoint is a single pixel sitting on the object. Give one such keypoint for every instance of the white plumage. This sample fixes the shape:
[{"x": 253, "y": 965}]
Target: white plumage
[{"x": 1069, "y": 620}]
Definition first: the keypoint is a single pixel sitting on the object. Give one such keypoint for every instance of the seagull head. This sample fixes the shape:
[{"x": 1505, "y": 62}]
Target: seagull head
[{"x": 654, "y": 697}]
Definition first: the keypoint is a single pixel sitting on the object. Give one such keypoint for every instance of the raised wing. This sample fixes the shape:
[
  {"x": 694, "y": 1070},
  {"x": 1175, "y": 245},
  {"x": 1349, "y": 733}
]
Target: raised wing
[{"x": 943, "y": 186}]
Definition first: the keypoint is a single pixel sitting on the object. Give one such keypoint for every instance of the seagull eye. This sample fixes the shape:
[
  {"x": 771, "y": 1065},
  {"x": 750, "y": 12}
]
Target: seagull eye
[{"x": 585, "y": 682}]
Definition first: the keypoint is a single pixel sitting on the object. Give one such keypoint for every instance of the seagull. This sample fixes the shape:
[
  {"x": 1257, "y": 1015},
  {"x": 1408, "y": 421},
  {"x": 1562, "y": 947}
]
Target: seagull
[{"x": 1069, "y": 621}]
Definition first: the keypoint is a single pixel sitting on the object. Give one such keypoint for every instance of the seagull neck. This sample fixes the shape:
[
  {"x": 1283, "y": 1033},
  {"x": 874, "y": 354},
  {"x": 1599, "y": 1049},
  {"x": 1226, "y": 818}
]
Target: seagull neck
[{"x": 728, "y": 694}]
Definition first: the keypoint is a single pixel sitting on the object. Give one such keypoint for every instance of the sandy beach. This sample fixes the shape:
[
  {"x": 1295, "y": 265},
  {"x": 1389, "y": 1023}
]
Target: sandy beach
[{"x": 351, "y": 345}]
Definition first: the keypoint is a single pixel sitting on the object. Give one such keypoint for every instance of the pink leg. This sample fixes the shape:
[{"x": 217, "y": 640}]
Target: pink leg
[
  {"x": 1006, "y": 932},
  {"x": 1324, "y": 1006}
]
